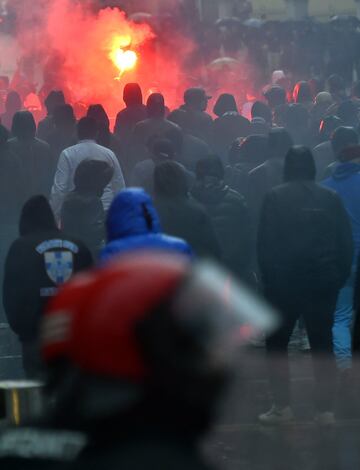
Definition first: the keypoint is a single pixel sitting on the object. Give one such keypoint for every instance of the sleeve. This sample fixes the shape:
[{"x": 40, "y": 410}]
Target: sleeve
[
  {"x": 117, "y": 182},
  {"x": 345, "y": 245},
  {"x": 21, "y": 303},
  {"x": 61, "y": 186}
]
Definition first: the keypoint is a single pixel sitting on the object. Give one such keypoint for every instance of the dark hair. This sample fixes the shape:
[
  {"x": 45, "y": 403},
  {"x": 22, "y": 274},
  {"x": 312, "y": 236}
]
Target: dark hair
[
  {"x": 253, "y": 149},
  {"x": 262, "y": 110},
  {"x": 23, "y": 126},
  {"x": 36, "y": 216},
  {"x": 299, "y": 165},
  {"x": 87, "y": 128},
  {"x": 280, "y": 141},
  {"x": 210, "y": 166},
  {"x": 132, "y": 94},
  {"x": 225, "y": 103},
  {"x": 348, "y": 112},
  {"x": 64, "y": 115},
  {"x": 97, "y": 112},
  {"x": 275, "y": 96},
  {"x": 170, "y": 180},
  {"x": 55, "y": 98},
  {"x": 343, "y": 137},
  {"x": 92, "y": 176},
  {"x": 156, "y": 105},
  {"x": 302, "y": 93}
]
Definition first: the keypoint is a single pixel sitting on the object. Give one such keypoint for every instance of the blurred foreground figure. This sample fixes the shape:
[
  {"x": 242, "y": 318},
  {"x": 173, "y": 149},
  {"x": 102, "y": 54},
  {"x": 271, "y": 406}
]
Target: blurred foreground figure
[
  {"x": 37, "y": 263},
  {"x": 305, "y": 256},
  {"x": 136, "y": 390}
]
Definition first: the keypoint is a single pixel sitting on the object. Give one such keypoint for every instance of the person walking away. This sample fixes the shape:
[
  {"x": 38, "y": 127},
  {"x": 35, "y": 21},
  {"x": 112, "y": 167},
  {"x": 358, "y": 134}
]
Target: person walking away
[
  {"x": 64, "y": 133},
  {"x": 133, "y": 225},
  {"x": 34, "y": 155},
  {"x": 82, "y": 214},
  {"x": 345, "y": 181},
  {"x": 38, "y": 262},
  {"x": 46, "y": 126},
  {"x": 70, "y": 159},
  {"x": 13, "y": 104},
  {"x": 305, "y": 253},
  {"x": 180, "y": 215},
  {"x": 229, "y": 214}
]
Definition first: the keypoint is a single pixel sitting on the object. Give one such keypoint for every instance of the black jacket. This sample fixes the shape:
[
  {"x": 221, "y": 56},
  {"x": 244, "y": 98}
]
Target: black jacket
[
  {"x": 230, "y": 217},
  {"x": 37, "y": 164},
  {"x": 83, "y": 217},
  {"x": 185, "y": 218},
  {"x": 304, "y": 238},
  {"x": 35, "y": 266}
]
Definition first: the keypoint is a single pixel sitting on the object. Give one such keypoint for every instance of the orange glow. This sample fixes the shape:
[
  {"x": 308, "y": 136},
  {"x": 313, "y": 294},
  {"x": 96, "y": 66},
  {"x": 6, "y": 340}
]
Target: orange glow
[{"x": 124, "y": 60}]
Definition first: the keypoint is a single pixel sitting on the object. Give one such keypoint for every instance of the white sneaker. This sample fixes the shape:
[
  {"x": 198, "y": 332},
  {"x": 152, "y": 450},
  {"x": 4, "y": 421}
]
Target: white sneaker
[
  {"x": 325, "y": 418},
  {"x": 277, "y": 415}
]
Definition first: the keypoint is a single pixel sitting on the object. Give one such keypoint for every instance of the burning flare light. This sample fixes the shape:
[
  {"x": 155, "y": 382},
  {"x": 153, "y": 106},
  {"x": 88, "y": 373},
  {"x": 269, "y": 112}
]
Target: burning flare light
[{"x": 122, "y": 56}]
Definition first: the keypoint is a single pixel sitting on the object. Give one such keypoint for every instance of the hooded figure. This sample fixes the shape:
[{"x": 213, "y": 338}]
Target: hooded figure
[
  {"x": 82, "y": 214},
  {"x": 304, "y": 254},
  {"x": 54, "y": 99},
  {"x": 133, "y": 224},
  {"x": 269, "y": 174},
  {"x": 180, "y": 215},
  {"x": 64, "y": 133},
  {"x": 229, "y": 214},
  {"x": 228, "y": 126},
  {"x": 38, "y": 262},
  {"x": 134, "y": 112},
  {"x": 34, "y": 155}
]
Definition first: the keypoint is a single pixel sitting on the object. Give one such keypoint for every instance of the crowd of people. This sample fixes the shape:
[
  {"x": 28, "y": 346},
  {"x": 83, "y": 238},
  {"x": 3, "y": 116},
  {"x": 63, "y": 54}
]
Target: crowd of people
[{"x": 273, "y": 197}]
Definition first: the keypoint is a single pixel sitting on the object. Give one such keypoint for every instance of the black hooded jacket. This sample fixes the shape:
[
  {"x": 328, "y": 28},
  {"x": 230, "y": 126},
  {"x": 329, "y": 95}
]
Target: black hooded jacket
[
  {"x": 37, "y": 263},
  {"x": 304, "y": 239}
]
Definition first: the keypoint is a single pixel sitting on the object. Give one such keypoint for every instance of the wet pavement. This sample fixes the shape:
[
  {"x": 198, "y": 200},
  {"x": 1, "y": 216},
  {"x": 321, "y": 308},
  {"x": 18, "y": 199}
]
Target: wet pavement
[{"x": 239, "y": 442}]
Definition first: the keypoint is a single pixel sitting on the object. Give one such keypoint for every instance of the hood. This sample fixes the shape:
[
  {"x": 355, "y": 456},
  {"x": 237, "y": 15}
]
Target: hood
[
  {"x": 345, "y": 170},
  {"x": 131, "y": 213},
  {"x": 36, "y": 216}
]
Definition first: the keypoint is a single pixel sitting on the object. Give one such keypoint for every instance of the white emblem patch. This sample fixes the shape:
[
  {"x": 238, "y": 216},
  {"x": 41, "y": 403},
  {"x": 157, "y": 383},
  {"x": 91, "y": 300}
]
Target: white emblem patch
[{"x": 59, "y": 266}]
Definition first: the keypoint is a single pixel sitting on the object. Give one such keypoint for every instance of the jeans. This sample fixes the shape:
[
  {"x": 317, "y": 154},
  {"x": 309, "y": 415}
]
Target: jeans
[{"x": 342, "y": 338}]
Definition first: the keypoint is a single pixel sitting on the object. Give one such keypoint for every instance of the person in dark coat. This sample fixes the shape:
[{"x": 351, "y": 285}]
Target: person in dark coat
[
  {"x": 35, "y": 157},
  {"x": 46, "y": 126},
  {"x": 245, "y": 155},
  {"x": 38, "y": 262},
  {"x": 13, "y": 104},
  {"x": 133, "y": 225},
  {"x": 228, "y": 126},
  {"x": 269, "y": 174},
  {"x": 192, "y": 116},
  {"x": 180, "y": 215},
  {"x": 64, "y": 133},
  {"x": 305, "y": 253},
  {"x": 134, "y": 112},
  {"x": 341, "y": 139},
  {"x": 324, "y": 152},
  {"x": 229, "y": 214},
  {"x": 11, "y": 200},
  {"x": 82, "y": 214}
]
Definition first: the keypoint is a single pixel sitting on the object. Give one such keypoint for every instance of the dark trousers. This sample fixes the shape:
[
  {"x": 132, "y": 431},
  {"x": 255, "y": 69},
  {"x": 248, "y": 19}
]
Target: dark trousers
[{"x": 317, "y": 310}]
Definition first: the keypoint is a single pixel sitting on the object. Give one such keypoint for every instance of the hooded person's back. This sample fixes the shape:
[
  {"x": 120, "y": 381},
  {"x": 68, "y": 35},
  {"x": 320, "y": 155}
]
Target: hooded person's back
[
  {"x": 82, "y": 214},
  {"x": 180, "y": 215},
  {"x": 134, "y": 112},
  {"x": 133, "y": 224},
  {"x": 35, "y": 156},
  {"x": 38, "y": 262}
]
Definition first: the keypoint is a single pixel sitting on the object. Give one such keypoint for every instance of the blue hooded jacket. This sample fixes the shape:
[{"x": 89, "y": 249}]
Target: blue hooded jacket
[
  {"x": 345, "y": 180},
  {"x": 133, "y": 224}
]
